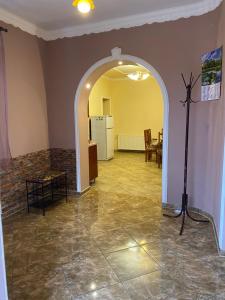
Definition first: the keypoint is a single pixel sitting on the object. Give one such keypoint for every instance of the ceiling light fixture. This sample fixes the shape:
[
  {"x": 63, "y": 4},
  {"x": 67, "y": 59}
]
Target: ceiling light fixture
[
  {"x": 88, "y": 86},
  {"x": 84, "y": 6},
  {"x": 138, "y": 76},
  {"x": 120, "y": 63}
]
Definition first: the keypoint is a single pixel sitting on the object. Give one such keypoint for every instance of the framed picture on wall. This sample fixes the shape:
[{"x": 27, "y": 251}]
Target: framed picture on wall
[{"x": 212, "y": 75}]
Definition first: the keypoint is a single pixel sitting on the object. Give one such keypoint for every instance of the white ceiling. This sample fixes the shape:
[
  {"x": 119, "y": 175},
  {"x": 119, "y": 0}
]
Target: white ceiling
[
  {"x": 60, "y": 18},
  {"x": 55, "y": 14}
]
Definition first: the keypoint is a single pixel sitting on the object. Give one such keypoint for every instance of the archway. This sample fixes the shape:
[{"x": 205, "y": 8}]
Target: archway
[{"x": 81, "y": 123}]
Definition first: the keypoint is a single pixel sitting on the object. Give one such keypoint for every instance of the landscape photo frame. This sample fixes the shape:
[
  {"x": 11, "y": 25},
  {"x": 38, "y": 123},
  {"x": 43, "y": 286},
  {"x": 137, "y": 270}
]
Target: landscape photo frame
[{"x": 211, "y": 75}]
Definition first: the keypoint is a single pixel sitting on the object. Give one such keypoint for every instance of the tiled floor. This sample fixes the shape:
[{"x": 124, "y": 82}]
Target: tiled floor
[{"x": 113, "y": 243}]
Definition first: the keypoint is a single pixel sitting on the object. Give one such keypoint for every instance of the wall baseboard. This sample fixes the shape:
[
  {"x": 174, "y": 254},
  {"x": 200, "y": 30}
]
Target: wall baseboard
[
  {"x": 204, "y": 214},
  {"x": 82, "y": 192}
]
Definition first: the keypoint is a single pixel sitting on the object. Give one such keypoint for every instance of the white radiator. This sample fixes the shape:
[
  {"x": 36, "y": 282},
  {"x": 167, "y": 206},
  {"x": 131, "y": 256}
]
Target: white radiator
[{"x": 129, "y": 142}]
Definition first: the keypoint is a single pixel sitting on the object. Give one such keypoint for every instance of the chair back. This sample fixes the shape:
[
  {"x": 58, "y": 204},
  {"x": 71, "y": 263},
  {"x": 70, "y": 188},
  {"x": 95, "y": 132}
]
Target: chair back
[
  {"x": 160, "y": 138},
  {"x": 147, "y": 137}
]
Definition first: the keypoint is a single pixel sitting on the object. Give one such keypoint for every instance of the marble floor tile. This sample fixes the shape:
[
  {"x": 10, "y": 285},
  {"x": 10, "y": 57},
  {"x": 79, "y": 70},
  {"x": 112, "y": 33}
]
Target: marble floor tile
[
  {"x": 39, "y": 284},
  {"x": 132, "y": 262},
  {"x": 204, "y": 275},
  {"x": 113, "y": 240},
  {"x": 158, "y": 286},
  {"x": 112, "y": 243},
  {"x": 151, "y": 231},
  {"x": 115, "y": 292},
  {"x": 166, "y": 253},
  {"x": 205, "y": 297},
  {"x": 88, "y": 275}
]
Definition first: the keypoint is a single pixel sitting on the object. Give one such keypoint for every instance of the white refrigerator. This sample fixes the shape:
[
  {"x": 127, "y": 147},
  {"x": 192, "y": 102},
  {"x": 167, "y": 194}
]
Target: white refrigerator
[{"x": 102, "y": 134}]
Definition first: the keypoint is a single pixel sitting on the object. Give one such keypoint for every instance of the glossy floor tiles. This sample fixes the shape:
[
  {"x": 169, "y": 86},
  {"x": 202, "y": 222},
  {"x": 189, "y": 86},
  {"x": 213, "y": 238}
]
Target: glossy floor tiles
[{"x": 112, "y": 243}]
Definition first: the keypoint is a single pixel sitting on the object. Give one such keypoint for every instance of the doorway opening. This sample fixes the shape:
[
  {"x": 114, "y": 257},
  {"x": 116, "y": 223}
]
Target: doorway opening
[
  {"x": 124, "y": 103},
  {"x": 81, "y": 116},
  {"x": 106, "y": 106}
]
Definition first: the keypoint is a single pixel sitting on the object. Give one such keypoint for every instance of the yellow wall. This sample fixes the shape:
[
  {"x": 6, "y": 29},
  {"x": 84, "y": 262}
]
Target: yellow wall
[
  {"x": 135, "y": 106},
  {"x": 100, "y": 90}
]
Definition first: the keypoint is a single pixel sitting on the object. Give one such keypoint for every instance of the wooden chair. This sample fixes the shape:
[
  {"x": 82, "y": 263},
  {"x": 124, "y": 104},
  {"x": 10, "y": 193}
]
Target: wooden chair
[{"x": 149, "y": 148}]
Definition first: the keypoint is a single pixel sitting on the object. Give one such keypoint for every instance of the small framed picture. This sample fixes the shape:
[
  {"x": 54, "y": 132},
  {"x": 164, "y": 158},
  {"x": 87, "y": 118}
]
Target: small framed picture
[{"x": 212, "y": 75}]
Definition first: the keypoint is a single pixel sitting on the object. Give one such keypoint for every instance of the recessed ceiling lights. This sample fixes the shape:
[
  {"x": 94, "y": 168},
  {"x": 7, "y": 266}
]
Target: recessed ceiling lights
[
  {"x": 120, "y": 62},
  {"x": 84, "y": 6},
  {"x": 88, "y": 86}
]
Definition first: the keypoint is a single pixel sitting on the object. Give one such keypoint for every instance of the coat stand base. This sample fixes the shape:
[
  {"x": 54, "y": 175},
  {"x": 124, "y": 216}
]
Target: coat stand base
[{"x": 184, "y": 213}]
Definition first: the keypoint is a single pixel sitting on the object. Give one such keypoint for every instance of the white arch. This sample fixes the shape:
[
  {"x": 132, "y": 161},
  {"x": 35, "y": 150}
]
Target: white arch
[{"x": 116, "y": 55}]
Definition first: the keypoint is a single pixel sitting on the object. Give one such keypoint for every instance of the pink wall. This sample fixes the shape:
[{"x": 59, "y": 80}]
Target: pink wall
[
  {"x": 171, "y": 48},
  {"x": 28, "y": 123},
  {"x": 215, "y": 149},
  {"x": 220, "y": 205},
  {"x": 208, "y": 129}
]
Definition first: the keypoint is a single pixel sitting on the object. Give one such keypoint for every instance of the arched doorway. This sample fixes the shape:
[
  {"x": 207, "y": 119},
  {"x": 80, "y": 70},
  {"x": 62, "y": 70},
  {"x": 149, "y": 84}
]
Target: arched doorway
[{"x": 81, "y": 119}]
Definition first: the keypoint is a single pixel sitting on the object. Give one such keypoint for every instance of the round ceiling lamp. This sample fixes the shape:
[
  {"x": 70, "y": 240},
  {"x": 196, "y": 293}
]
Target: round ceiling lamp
[
  {"x": 84, "y": 6},
  {"x": 138, "y": 76}
]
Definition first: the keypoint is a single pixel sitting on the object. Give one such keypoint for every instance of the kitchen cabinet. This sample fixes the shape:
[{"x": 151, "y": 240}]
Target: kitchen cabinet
[{"x": 93, "y": 162}]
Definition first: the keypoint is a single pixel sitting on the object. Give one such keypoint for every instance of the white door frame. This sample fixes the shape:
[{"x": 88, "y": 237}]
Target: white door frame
[{"x": 117, "y": 56}]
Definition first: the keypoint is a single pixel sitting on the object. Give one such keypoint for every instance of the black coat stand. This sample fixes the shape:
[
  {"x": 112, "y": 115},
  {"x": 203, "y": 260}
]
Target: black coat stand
[{"x": 184, "y": 209}]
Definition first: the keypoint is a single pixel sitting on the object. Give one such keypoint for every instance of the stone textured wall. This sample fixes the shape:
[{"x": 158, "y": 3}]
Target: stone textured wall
[
  {"x": 65, "y": 160},
  {"x": 13, "y": 180}
]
